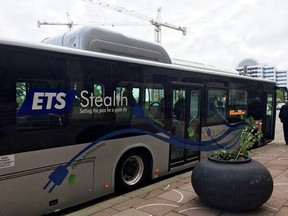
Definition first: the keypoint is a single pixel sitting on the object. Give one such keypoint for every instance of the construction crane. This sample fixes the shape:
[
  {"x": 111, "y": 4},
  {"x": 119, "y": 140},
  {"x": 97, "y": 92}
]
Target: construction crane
[
  {"x": 157, "y": 23},
  {"x": 69, "y": 23}
]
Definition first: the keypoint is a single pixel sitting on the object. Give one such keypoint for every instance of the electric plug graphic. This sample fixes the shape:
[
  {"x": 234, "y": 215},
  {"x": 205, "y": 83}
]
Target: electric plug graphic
[{"x": 56, "y": 177}]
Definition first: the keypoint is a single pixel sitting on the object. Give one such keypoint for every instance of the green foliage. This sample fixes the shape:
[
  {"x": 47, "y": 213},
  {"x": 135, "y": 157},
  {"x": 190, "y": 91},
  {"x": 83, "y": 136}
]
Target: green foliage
[
  {"x": 249, "y": 136},
  {"x": 281, "y": 95},
  {"x": 224, "y": 155}
]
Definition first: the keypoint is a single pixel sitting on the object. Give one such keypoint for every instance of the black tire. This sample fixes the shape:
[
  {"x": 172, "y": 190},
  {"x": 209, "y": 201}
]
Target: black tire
[{"x": 132, "y": 171}]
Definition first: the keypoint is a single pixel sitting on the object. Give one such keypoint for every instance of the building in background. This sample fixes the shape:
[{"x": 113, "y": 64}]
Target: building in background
[{"x": 252, "y": 68}]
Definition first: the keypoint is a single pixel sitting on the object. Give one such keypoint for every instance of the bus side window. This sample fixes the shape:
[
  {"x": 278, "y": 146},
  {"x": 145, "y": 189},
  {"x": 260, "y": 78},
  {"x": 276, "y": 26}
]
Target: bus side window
[
  {"x": 127, "y": 96},
  {"x": 82, "y": 107},
  {"x": 216, "y": 110},
  {"x": 21, "y": 92},
  {"x": 98, "y": 90},
  {"x": 237, "y": 105},
  {"x": 35, "y": 121},
  {"x": 7, "y": 106},
  {"x": 154, "y": 104},
  {"x": 128, "y": 90}
]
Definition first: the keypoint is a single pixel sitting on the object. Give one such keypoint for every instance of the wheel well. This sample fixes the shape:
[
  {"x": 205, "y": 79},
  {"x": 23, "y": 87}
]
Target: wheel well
[{"x": 140, "y": 150}]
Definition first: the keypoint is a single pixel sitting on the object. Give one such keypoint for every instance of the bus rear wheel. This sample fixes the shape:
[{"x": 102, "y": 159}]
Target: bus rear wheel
[{"x": 132, "y": 171}]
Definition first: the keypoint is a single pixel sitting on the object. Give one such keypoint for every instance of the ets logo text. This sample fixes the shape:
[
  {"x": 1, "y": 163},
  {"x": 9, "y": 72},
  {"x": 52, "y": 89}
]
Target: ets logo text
[{"x": 47, "y": 101}]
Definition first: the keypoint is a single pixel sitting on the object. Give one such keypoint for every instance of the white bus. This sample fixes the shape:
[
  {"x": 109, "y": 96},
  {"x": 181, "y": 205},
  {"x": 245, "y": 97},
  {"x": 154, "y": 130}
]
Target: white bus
[{"x": 76, "y": 125}]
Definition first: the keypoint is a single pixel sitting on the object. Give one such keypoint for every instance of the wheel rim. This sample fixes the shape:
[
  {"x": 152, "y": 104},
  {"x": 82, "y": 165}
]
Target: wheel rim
[{"x": 132, "y": 170}]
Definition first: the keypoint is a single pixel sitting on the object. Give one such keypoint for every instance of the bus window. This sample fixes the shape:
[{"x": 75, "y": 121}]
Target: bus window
[
  {"x": 216, "y": 112},
  {"x": 27, "y": 120},
  {"x": 256, "y": 108},
  {"x": 21, "y": 90},
  {"x": 7, "y": 107},
  {"x": 82, "y": 107},
  {"x": 98, "y": 90},
  {"x": 179, "y": 108},
  {"x": 130, "y": 91},
  {"x": 237, "y": 105},
  {"x": 238, "y": 97},
  {"x": 179, "y": 104},
  {"x": 154, "y": 104},
  {"x": 194, "y": 117},
  {"x": 124, "y": 115}
]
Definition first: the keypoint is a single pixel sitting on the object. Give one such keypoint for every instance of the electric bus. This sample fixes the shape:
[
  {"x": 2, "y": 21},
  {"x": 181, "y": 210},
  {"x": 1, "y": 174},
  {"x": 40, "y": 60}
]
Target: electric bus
[{"x": 78, "y": 123}]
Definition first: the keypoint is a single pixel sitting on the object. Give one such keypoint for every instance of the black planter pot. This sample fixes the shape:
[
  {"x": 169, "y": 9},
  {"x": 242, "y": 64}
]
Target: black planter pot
[{"x": 232, "y": 185}]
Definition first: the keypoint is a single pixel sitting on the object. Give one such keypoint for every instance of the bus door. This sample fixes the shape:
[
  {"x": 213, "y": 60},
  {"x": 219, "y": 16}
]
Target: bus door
[{"x": 185, "y": 124}]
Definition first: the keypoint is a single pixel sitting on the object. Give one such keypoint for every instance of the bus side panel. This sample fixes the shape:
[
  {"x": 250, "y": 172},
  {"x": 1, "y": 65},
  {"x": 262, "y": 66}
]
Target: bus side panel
[
  {"x": 24, "y": 190},
  {"x": 88, "y": 175}
]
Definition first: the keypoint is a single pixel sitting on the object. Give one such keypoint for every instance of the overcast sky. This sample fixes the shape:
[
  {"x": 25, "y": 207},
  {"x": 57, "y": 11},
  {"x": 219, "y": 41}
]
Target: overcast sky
[{"x": 219, "y": 32}]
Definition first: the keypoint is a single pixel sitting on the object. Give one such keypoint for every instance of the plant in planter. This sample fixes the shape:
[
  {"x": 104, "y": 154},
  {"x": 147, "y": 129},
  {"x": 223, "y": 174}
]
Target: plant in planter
[
  {"x": 231, "y": 180},
  {"x": 249, "y": 136}
]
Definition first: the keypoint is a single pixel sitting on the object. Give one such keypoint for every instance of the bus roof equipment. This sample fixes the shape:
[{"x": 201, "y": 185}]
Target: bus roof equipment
[{"x": 96, "y": 39}]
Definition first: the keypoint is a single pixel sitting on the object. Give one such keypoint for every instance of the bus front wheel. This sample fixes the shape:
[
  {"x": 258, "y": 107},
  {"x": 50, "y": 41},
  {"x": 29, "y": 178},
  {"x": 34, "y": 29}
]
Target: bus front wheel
[{"x": 132, "y": 171}]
